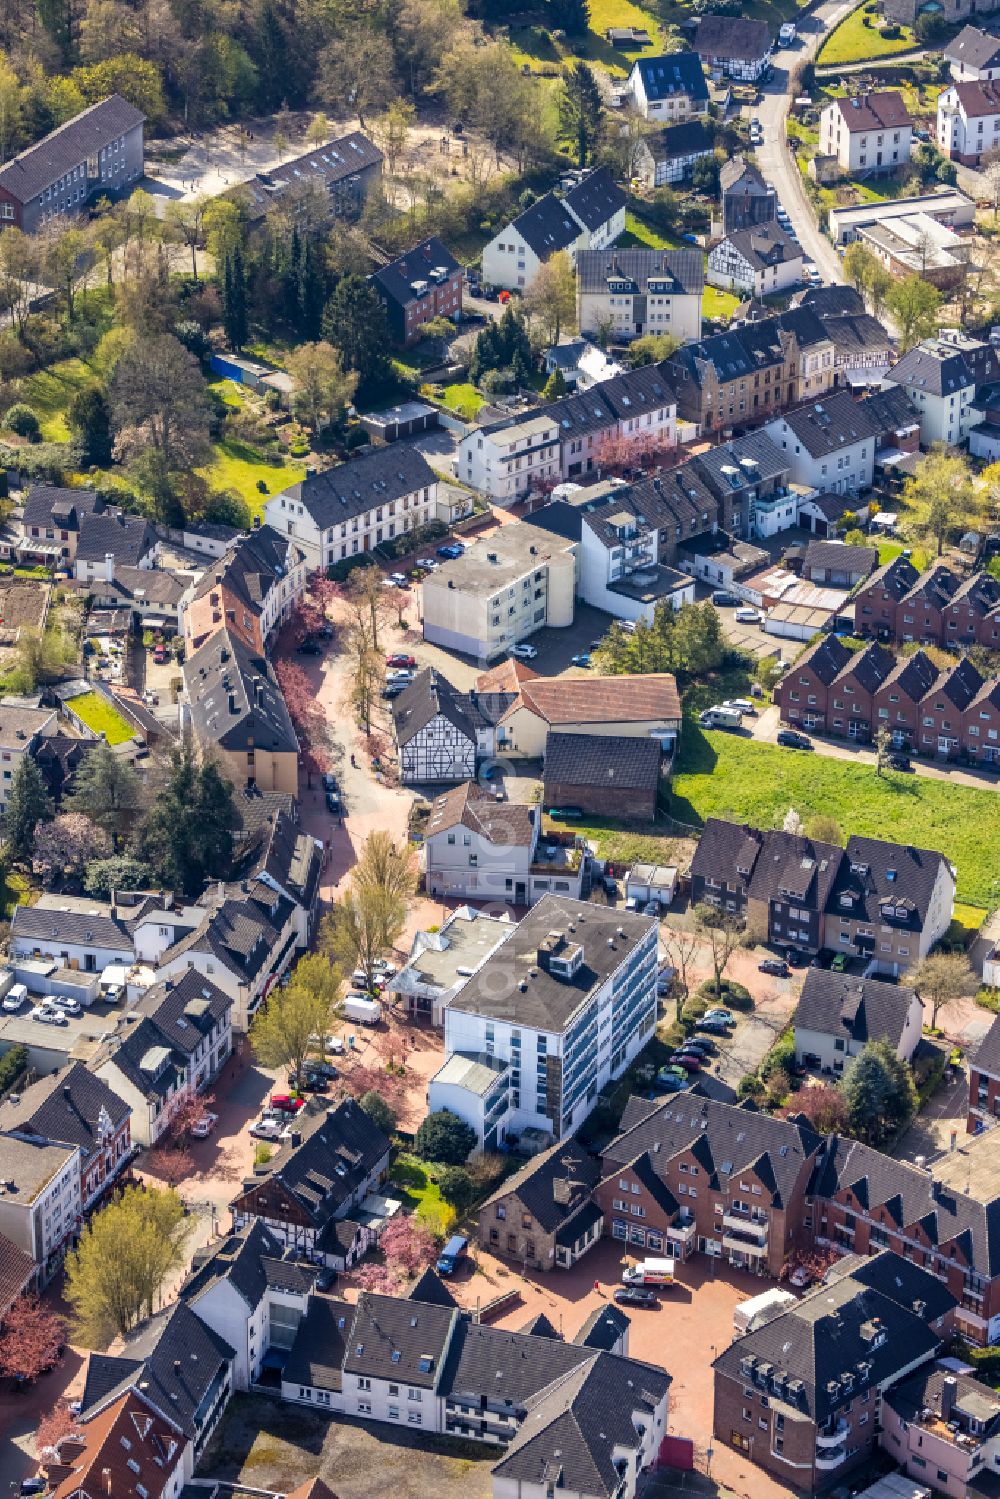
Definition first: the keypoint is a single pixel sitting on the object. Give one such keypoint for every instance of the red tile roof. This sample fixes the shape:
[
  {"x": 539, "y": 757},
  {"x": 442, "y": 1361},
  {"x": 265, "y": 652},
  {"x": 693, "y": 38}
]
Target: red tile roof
[
  {"x": 98, "y": 1462},
  {"x": 978, "y": 98},
  {"x": 638, "y": 699},
  {"x": 875, "y": 112},
  {"x": 16, "y": 1270}
]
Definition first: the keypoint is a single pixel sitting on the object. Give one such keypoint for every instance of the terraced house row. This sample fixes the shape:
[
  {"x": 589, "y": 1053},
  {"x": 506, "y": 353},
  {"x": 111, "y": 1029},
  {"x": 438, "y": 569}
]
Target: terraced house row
[
  {"x": 947, "y": 713},
  {"x": 935, "y": 607}
]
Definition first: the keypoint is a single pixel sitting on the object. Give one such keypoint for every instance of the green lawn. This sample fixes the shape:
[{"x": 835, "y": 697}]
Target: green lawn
[
  {"x": 640, "y": 235},
  {"x": 463, "y": 398},
  {"x": 416, "y": 1186},
  {"x": 853, "y": 41},
  {"x": 236, "y": 466},
  {"x": 229, "y": 392},
  {"x": 49, "y": 393},
  {"x": 722, "y": 776},
  {"x": 97, "y": 714},
  {"x": 718, "y": 304},
  {"x": 889, "y": 549}
]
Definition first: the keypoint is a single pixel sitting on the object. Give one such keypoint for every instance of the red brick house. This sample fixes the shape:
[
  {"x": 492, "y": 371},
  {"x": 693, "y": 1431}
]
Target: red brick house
[
  {"x": 920, "y": 612},
  {"x": 897, "y": 701},
  {"x": 802, "y": 693},
  {"x": 970, "y": 606},
  {"x": 876, "y": 601},
  {"x": 424, "y": 283},
  {"x": 851, "y": 710},
  {"x": 981, "y": 724},
  {"x": 943, "y": 709},
  {"x": 984, "y": 1083}
]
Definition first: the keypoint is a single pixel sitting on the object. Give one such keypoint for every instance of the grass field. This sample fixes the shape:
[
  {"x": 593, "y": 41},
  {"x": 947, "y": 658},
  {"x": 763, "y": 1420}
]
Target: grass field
[
  {"x": 718, "y": 304},
  {"x": 889, "y": 549},
  {"x": 853, "y": 41},
  {"x": 98, "y": 715},
  {"x": 49, "y": 393},
  {"x": 724, "y": 776},
  {"x": 642, "y": 236},
  {"x": 463, "y": 398},
  {"x": 236, "y": 466},
  {"x": 416, "y": 1185}
]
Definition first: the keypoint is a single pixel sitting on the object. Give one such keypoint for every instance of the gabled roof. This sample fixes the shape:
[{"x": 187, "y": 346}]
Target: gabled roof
[
  {"x": 499, "y": 824},
  {"x": 430, "y": 1288},
  {"x": 857, "y": 333},
  {"x": 673, "y": 142},
  {"x": 840, "y": 557},
  {"x": 935, "y": 367},
  {"x": 252, "y": 568},
  {"x": 325, "y": 168},
  {"x": 17, "y": 1270},
  {"x": 987, "y": 1058},
  {"x": 977, "y": 48},
  {"x": 739, "y": 174},
  {"x": 429, "y": 696},
  {"x": 424, "y": 262},
  {"x": 889, "y": 409},
  {"x": 831, "y": 301},
  {"x": 621, "y": 763},
  {"x": 596, "y": 199},
  {"x": 603, "y": 1328},
  {"x": 935, "y": 587},
  {"x": 829, "y": 425},
  {"x": 564, "y": 1171},
  {"x": 671, "y": 74},
  {"x": 870, "y": 667},
  {"x": 69, "y": 145},
  {"x": 896, "y": 577},
  {"x": 241, "y": 1259},
  {"x": 322, "y": 1339},
  {"x": 826, "y": 659},
  {"x": 547, "y": 226},
  {"x": 884, "y": 111},
  {"x": 126, "y": 1451},
  {"x": 577, "y": 700},
  {"x": 397, "y": 1338},
  {"x": 958, "y": 685},
  {"x": 377, "y": 476},
  {"x": 978, "y": 98},
  {"x": 853, "y": 1009},
  {"x": 71, "y": 1107},
  {"x": 235, "y": 701},
  {"x": 50, "y": 505},
  {"x": 877, "y": 876},
  {"x": 674, "y": 272},
  {"x": 88, "y": 924},
  {"x": 129, "y": 538},
  {"x": 733, "y": 466},
  {"x": 734, "y": 38},
  {"x": 764, "y": 245}
]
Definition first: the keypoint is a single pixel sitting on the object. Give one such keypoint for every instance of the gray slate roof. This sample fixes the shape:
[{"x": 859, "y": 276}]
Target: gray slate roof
[
  {"x": 756, "y": 456},
  {"x": 252, "y": 568},
  {"x": 68, "y": 1107},
  {"x": 830, "y": 425},
  {"x": 68, "y": 146},
  {"x": 733, "y": 38},
  {"x": 430, "y": 695},
  {"x": 975, "y": 47},
  {"x": 672, "y": 272},
  {"x": 129, "y": 538},
  {"x": 934, "y": 368},
  {"x": 534, "y": 1183},
  {"x": 688, "y": 138},
  {"x": 395, "y": 280},
  {"x": 396, "y": 1338},
  {"x": 987, "y": 1058},
  {"x": 377, "y": 476},
  {"x": 853, "y": 1009},
  {"x": 765, "y": 245},
  {"x": 56, "y": 508},
  {"x": 839, "y": 557},
  {"x": 88, "y": 928},
  {"x": 235, "y": 699},
  {"x": 603, "y": 760},
  {"x": 672, "y": 74}
]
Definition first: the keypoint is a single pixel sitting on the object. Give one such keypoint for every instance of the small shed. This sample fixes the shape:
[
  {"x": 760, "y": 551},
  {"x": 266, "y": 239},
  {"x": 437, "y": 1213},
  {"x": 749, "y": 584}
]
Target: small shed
[
  {"x": 646, "y": 882},
  {"x": 405, "y": 420}
]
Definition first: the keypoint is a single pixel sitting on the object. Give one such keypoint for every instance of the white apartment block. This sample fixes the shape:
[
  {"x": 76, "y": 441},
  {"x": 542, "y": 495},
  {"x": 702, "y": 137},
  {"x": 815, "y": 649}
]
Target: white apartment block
[
  {"x": 589, "y": 216},
  {"x": 968, "y": 121},
  {"x": 867, "y": 133},
  {"x": 668, "y": 88},
  {"x": 509, "y": 460},
  {"x": 634, "y": 292},
  {"x": 40, "y": 1204}
]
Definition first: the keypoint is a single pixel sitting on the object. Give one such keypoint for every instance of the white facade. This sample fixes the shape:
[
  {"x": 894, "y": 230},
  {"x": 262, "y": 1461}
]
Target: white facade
[
  {"x": 845, "y": 472},
  {"x": 632, "y": 314},
  {"x": 835, "y": 1051},
  {"x": 862, "y": 148},
  {"x": 459, "y": 861},
  {"x": 484, "y": 608},
  {"x": 732, "y": 271},
  {"x": 677, "y": 105},
  {"x": 440, "y": 751},
  {"x": 355, "y": 535},
  {"x": 601, "y": 566},
  {"x": 965, "y": 136},
  {"x": 47, "y": 1209},
  {"x": 660, "y": 171},
  {"x": 90, "y": 569},
  {"x": 507, "y": 462},
  {"x": 944, "y": 418},
  {"x": 250, "y": 1330},
  {"x": 510, "y": 262},
  {"x": 20, "y": 731}
]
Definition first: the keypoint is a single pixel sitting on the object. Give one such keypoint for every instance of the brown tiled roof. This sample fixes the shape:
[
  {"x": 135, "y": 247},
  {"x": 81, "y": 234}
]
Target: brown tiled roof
[
  {"x": 978, "y": 98},
  {"x": 507, "y": 677},
  {"x": 16, "y": 1269},
  {"x": 313, "y": 1488},
  {"x": 875, "y": 112},
  {"x": 603, "y": 699},
  {"x": 507, "y": 823},
  {"x": 99, "y": 1462}
]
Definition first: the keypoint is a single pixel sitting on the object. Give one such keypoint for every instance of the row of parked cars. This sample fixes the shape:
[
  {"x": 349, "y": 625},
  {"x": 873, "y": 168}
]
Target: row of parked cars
[
  {"x": 696, "y": 1052},
  {"x": 54, "y": 1009}
]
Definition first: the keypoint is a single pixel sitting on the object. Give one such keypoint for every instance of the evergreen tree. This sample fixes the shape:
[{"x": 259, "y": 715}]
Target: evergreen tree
[
  {"x": 879, "y": 1092},
  {"x": 187, "y": 836},
  {"x": 289, "y": 264},
  {"x": 108, "y": 790},
  {"x": 234, "y": 299},
  {"x": 89, "y": 419},
  {"x": 27, "y": 805},
  {"x": 581, "y": 113},
  {"x": 571, "y": 16},
  {"x": 310, "y": 292},
  {"x": 354, "y": 322},
  {"x": 555, "y": 386},
  {"x": 521, "y": 371}
]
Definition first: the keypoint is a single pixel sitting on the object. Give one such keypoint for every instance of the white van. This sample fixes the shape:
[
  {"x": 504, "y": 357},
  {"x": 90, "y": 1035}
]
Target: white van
[
  {"x": 14, "y": 998},
  {"x": 747, "y": 616},
  {"x": 363, "y": 1010}
]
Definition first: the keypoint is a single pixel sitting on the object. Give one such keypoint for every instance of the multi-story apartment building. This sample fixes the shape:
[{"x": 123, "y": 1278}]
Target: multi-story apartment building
[
  {"x": 968, "y": 120},
  {"x": 512, "y": 457},
  {"x": 890, "y": 904},
  {"x": 477, "y": 847},
  {"x": 235, "y": 710},
  {"x": 877, "y": 601},
  {"x": 830, "y": 443},
  {"x": 250, "y": 591},
  {"x": 634, "y": 292},
  {"x": 562, "y": 1007},
  {"x": 838, "y": 1014},
  {"x": 500, "y": 592},
  {"x": 936, "y": 607},
  {"x": 943, "y": 1427},
  {"x": 21, "y": 733},
  {"x": 424, "y": 283},
  {"x": 831, "y": 690},
  {"x": 801, "y": 1396},
  {"x": 338, "y": 177},
  {"x": 780, "y": 882},
  {"x": 349, "y": 509},
  {"x": 74, "y": 1107},
  {"x": 544, "y": 1211},
  {"x": 98, "y": 153},
  {"x": 984, "y": 1080},
  {"x": 670, "y": 87},
  {"x": 590, "y": 215},
  {"x": 41, "y": 1210},
  {"x": 625, "y": 544},
  {"x": 759, "y": 261},
  {"x": 941, "y": 376},
  {"x": 867, "y": 133},
  {"x": 736, "y": 379}
]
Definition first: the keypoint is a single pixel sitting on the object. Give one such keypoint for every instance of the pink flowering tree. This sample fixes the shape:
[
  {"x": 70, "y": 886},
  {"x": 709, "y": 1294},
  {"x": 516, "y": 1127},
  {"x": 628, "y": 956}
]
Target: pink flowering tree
[
  {"x": 407, "y": 1244},
  {"x": 66, "y": 845}
]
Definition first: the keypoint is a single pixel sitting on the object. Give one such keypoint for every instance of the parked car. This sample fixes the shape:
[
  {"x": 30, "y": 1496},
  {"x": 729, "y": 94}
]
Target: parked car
[
  {"x": 326, "y": 1279},
  {"x": 451, "y": 551},
  {"x": 323, "y": 1069},
  {"x": 161, "y": 655},
  {"x": 286, "y": 1103},
  {"x": 713, "y": 1027},
  {"x": 800, "y": 1277},
  {"x": 333, "y": 804},
  {"x": 14, "y": 998},
  {"x": 565, "y": 814},
  {"x": 202, "y": 1128},
  {"x": 63, "y": 1002},
  {"x": 671, "y": 1082},
  {"x": 796, "y": 957},
  {"x": 720, "y": 1012},
  {"x": 839, "y": 963},
  {"x": 636, "y": 1296},
  {"x": 583, "y": 659},
  {"x": 313, "y": 1082},
  {"x": 398, "y": 580},
  {"x": 524, "y": 652},
  {"x": 45, "y": 1015},
  {"x": 266, "y": 1129},
  {"x": 741, "y": 705},
  {"x": 747, "y": 616},
  {"x": 330, "y": 782},
  {"x": 400, "y": 658},
  {"x": 394, "y": 689},
  {"x": 690, "y": 1064},
  {"x": 792, "y": 739},
  {"x": 703, "y": 1044},
  {"x": 399, "y": 674},
  {"x": 897, "y": 761},
  {"x": 776, "y": 966},
  {"x": 722, "y": 599}
]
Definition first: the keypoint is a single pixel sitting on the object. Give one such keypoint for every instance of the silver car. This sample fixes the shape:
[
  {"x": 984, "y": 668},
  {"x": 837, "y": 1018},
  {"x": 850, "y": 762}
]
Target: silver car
[{"x": 63, "y": 1002}]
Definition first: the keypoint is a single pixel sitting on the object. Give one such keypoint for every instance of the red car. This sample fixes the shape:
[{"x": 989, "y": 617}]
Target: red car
[
  {"x": 400, "y": 660},
  {"x": 286, "y": 1103},
  {"x": 685, "y": 1060}
]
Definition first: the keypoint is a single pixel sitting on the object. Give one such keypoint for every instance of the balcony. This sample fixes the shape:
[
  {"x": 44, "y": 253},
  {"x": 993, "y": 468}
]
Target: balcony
[
  {"x": 753, "y": 1228},
  {"x": 831, "y": 1435},
  {"x": 831, "y": 1457},
  {"x": 683, "y": 1231},
  {"x": 743, "y": 1246}
]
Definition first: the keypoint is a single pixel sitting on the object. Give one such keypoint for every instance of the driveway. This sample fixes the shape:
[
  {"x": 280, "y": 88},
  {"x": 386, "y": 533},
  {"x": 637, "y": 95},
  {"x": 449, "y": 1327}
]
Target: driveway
[{"x": 776, "y": 162}]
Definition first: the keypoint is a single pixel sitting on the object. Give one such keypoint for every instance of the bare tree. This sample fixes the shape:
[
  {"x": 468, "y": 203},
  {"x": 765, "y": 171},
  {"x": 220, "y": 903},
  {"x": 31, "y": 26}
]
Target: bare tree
[
  {"x": 942, "y": 978},
  {"x": 681, "y": 947},
  {"x": 723, "y": 934}
]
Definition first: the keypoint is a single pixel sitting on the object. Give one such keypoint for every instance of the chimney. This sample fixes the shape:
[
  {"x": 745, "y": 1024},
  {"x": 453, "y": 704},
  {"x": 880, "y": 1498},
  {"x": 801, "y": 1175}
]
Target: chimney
[
  {"x": 109, "y": 567},
  {"x": 106, "y": 1479},
  {"x": 232, "y": 703},
  {"x": 67, "y": 1093},
  {"x": 256, "y": 522},
  {"x": 177, "y": 1366},
  {"x": 949, "y": 1390},
  {"x": 562, "y": 1190}
]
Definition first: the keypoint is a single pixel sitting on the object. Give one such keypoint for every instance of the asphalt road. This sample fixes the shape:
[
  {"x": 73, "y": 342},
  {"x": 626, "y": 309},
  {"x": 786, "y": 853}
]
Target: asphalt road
[{"x": 774, "y": 159}]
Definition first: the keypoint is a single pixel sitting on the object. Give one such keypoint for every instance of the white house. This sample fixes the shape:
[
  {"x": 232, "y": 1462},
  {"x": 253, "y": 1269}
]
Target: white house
[
  {"x": 968, "y": 121},
  {"x": 668, "y": 88},
  {"x": 348, "y": 510},
  {"x": 111, "y": 538},
  {"x": 500, "y": 592},
  {"x": 73, "y": 931},
  {"x": 758, "y": 261},
  {"x": 42, "y": 1211},
  {"x": 21, "y": 730},
  {"x": 441, "y": 961},
  {"x": 940, "y": 381},
  {"x": 435, "y": 732},
  {"x": 830, "y": 443},
  {"x": 633, "y": 292},
  {"x": 866, "y": 133},
  {"x": 564, "y": 1005},
  {"x": 477, "y": 847},
  {"x": 510, "y": 458},
  {"x": 839, "y": 1013},
  {"x": 622, "y": 567},
  {"x": 590, "y": 215},
  {"x": 973, "y": 54}
]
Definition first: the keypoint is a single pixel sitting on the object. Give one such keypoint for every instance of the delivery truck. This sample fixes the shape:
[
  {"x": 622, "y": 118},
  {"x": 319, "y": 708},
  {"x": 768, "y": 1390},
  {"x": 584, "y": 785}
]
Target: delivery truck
[
  {"x": 364, "y": 1011},
  {"x": 649, "y": 1273}
]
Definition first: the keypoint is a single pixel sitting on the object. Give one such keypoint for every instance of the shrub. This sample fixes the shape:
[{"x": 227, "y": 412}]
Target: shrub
[
  {"x": 444, "y": 1137},
  {"x": 380, "y": 1112},
  {"x": 989, "y": 999},
  {"x": 735, "y": 996},
  {"x": 780, "y": 1058},
  {"x": 22, "y": 420},
  {"x": 357, "y": 437},
  {"x": 12, "y": 1064},
  {"x": 457, "y": 1188}
]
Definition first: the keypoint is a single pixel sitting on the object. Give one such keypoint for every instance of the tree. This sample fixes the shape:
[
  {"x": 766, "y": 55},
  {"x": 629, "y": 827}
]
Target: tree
[
  {"x": 792, "y": 823},
  {"x": 187, "y": 834},
  {"x": 281, "y": 1030},
  {"x": 125, "y": 1253},
  {"x": 884, "y": 747},
  {"x": 444, "y": 1137},
  {"x": 457, "y": 1188},
  {"x": 356, "y": 72},
  {"x": 879, "y": 287},
  {"x": 914, "y": 305},
  {"x": 681, "y": 947},
  {"x": 551, "y": 297},
  {"x": 571, "y": 16},
  {"x": 89, "y": 419},
  {"x": 941, "y": 978},
  {"x": 824, "y": 1106},
  {"x": 107, "y": 790},
  {"x": 386, "y": 867},
  {"x": 234, "y": 299},
  {"x": 361, "y": 927},
  {"x": 825, "y": 829},
  {"x": 705, "y": 175},
  {"x": 859, "y": 263},
  {"x": 10, "y": 107},
  {"x": 65, "y": 260},
  {"x": 723, "y": 935},
  {"x": 581, "y": 112},
  {"x": 54, "y": 1425},
  {"x": 989, "y": 173},
  {"x": 941, "y": 493},
  {"x": 27, "y": 805},
  {"x": 64, "y": 845},
  {"x": 391, "y": 130},
  {"x": 879, "y": 1092},
  {"x": 407, "y": 1244},
  {"x": 652, "y": 348},
  {"x": 184, "y": 219},
  {"x": 32, "y": 1340},
  {"x": 380, "y": 1112},
  {"x": 158, "y": 398},
  {"x": 120, "y": 872},
  {"x": 555, "y": 386},
  {"x": 354, "y": 322},
  {"x": 323, "y": 390},
  {"x": 23, "y": 422},
  {"x": 365, "y": 597}
]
